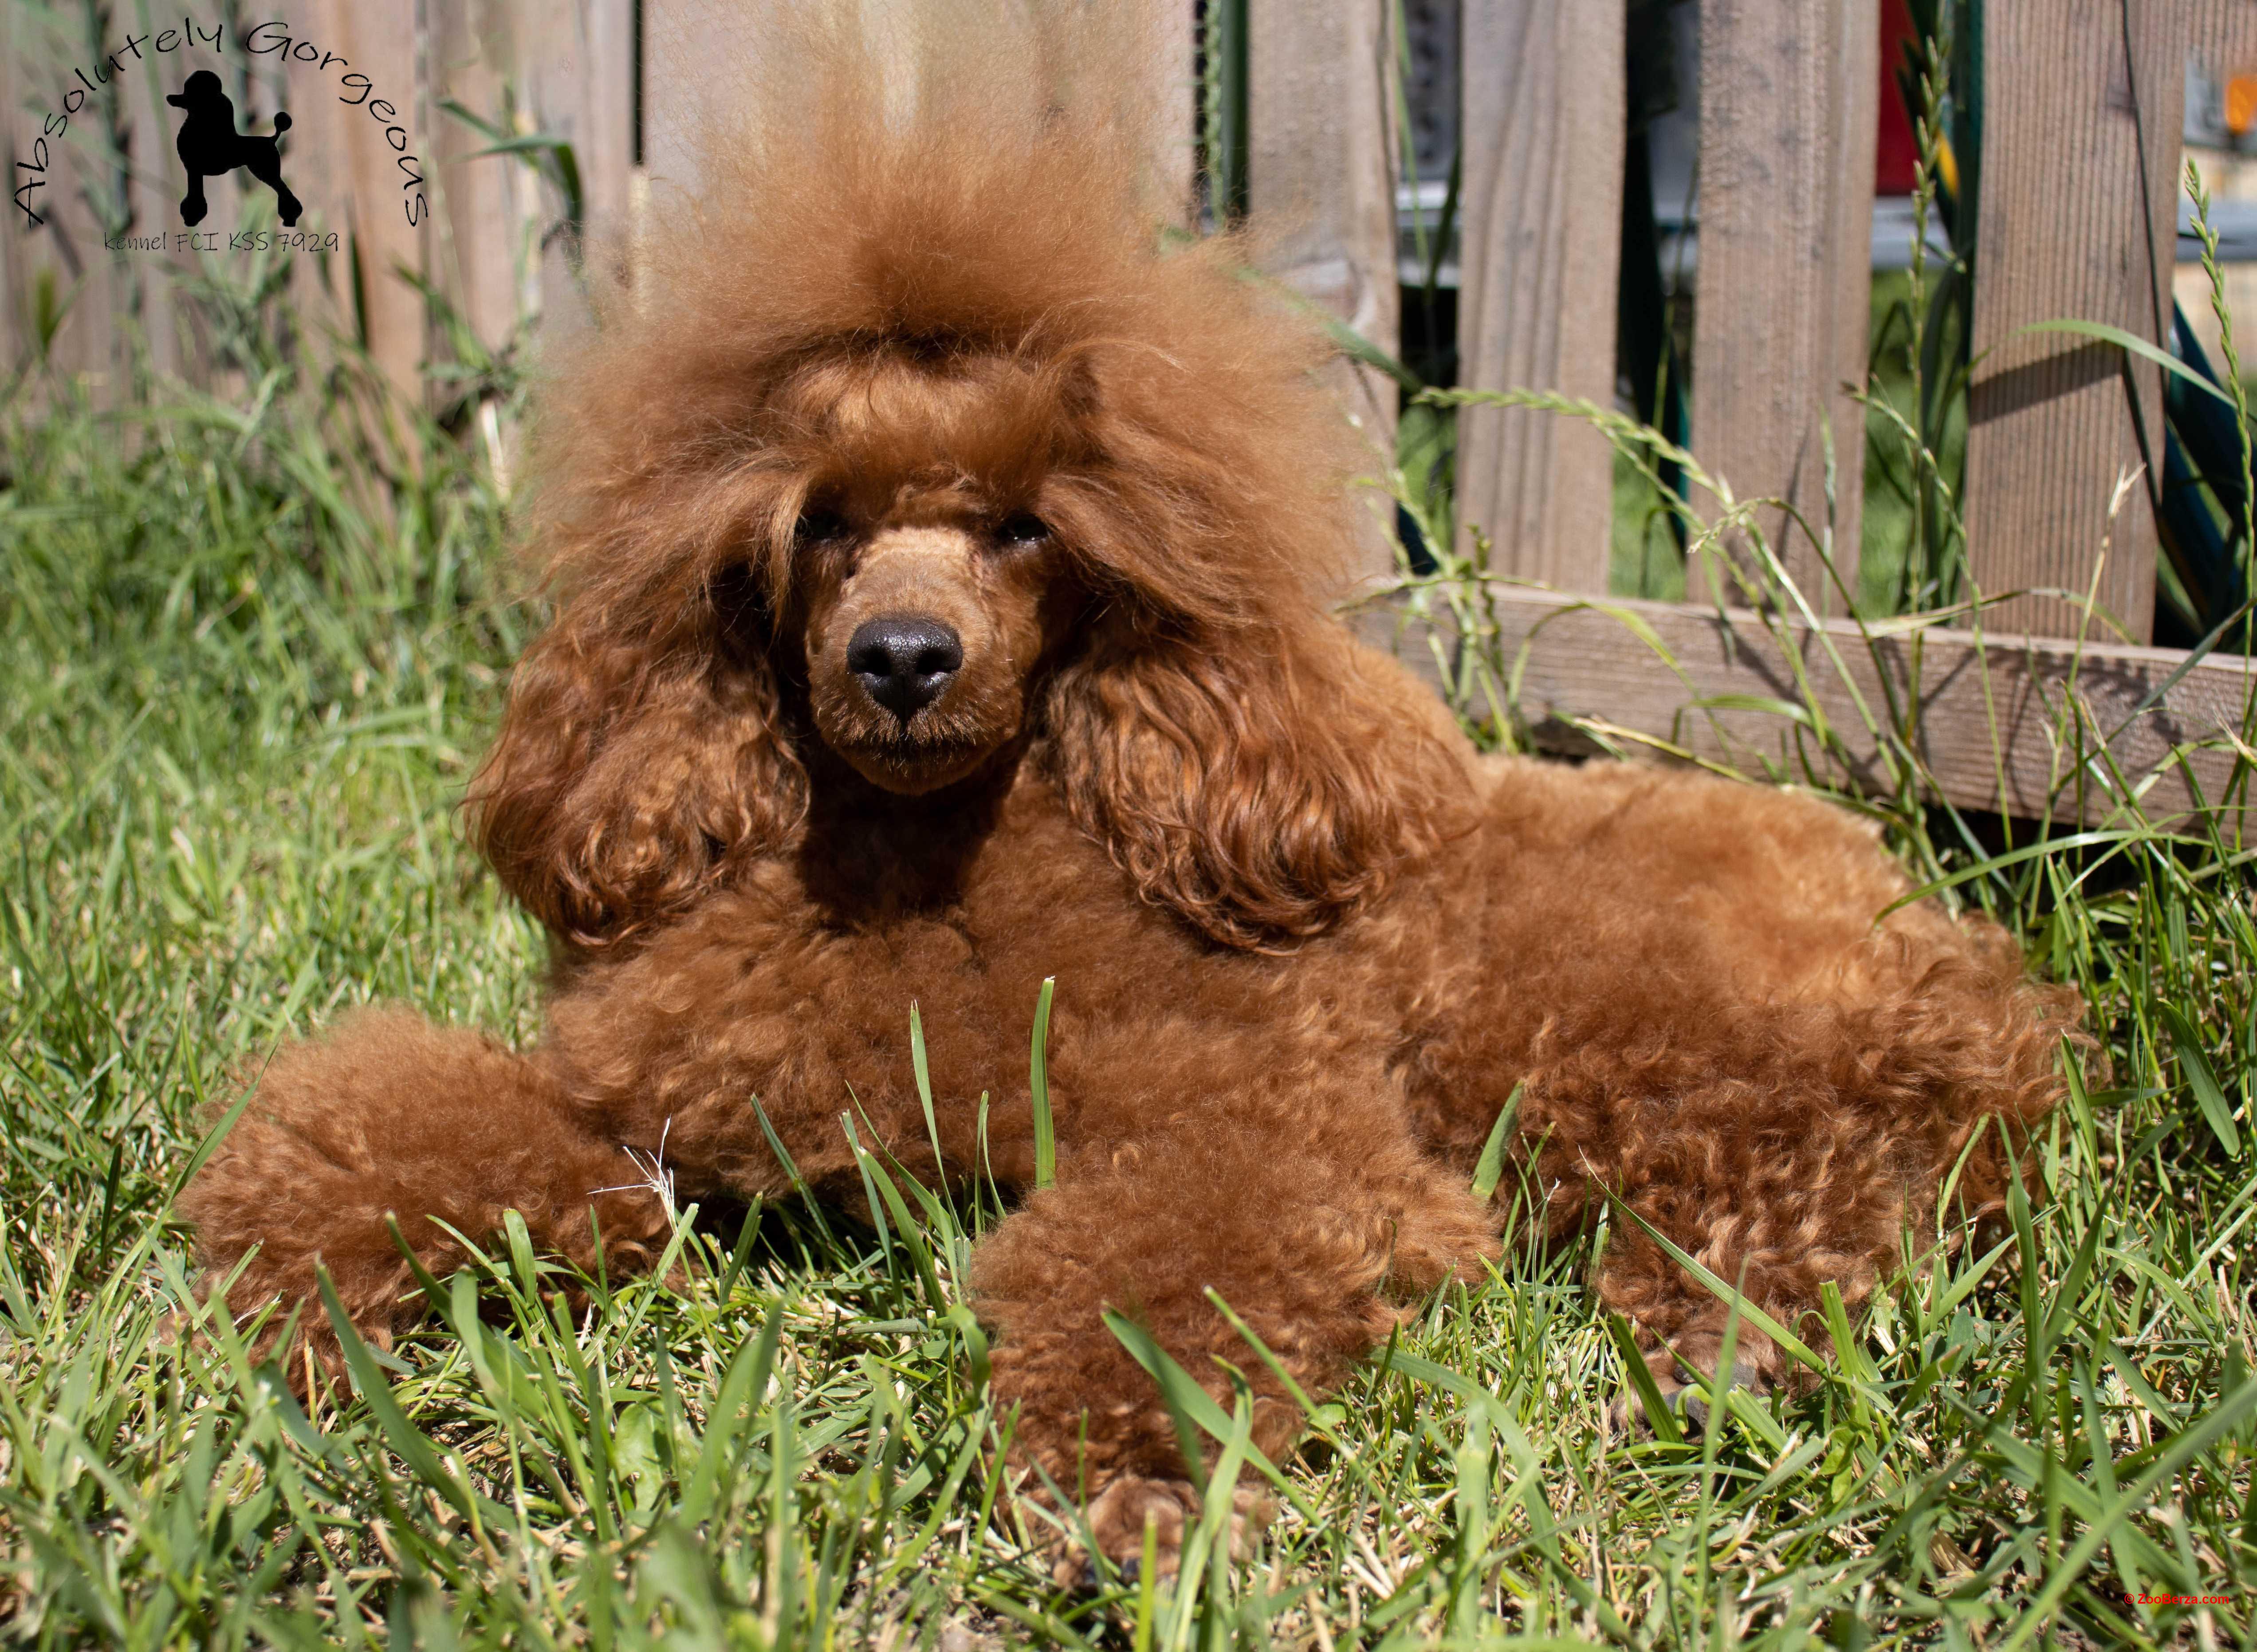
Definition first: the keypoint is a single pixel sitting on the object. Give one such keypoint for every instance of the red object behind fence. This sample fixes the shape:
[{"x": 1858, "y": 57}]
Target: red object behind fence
[{"x": 1896, "y": 157}]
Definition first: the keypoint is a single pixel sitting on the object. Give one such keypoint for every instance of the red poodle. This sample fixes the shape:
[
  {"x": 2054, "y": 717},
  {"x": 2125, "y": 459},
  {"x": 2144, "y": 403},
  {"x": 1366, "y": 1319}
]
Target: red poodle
[{"x": 934, "y": 551}]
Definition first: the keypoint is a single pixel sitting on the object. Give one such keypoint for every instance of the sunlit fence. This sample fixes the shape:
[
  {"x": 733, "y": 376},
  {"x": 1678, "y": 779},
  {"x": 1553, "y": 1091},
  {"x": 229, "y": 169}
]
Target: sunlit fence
[{"x": 452, "y": 158}]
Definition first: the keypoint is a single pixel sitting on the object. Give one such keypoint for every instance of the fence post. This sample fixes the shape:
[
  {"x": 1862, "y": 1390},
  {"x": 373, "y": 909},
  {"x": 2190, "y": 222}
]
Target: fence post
[
  {"x": 2083, "y": 102},
  {"x": 1542, "y": 135},
  {"x": 684, "y": 39},
  {"x": 566, "y": 68},
  {"x": 64, "y": 256},
  {"x": 481, "y": 206},
  {"x": 1321, "y": 162},
  {"x": 353, "y": 185},
  {"x": 1176, "y": 107},
  {"x": 580, "y": 81},
  {"x": 1788, "y": 91},
  {"x": 2223, "y": 34}
]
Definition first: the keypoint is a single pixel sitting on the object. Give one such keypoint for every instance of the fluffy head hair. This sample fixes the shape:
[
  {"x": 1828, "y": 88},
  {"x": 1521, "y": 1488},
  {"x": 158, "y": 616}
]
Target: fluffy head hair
[{"x": 915, "y": 299}]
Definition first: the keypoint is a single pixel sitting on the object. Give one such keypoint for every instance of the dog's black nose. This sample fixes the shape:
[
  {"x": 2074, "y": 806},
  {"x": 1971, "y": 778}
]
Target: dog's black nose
[{"x": 904, "y": 661}]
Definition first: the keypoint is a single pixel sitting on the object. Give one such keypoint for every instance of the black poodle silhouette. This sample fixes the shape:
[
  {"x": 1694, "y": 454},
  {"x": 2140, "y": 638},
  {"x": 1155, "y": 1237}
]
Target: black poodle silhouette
[{"x": 210, "y": 144}]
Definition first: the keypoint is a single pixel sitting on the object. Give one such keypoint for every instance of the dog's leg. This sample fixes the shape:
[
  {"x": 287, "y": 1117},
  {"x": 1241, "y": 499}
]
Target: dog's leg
[
  {"x": 389, "y": 1114},
  {"x": 1801, "y": 1144},
  {"x": 1773, "y": 1182},
  {"x": 266, "y": 166},
  {"x": 1299, "y": 1237},
  {"x": 1679, "y": 1326},
  {"x": 1687, "y": 984},
  {"x": 194, "y": 208}
]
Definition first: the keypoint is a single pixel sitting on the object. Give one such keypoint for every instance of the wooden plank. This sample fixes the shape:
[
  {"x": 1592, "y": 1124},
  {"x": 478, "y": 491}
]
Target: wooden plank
[
  {"x": 359, "y": 180},
  {"x": 482, "y": 205},
  {"x": 152, "y": 183},
  {"x": 22, "y": 246},
  {"x": 2224, "y": 37},
  {"x": 1175, "y": 108},
  {"x": 1587, "y": 663},
  {"x": 683, "y": 40},
  {"x": 2083, "y": 104},
  {"x": 1321, "y": 170},
  {"x": 578, "y": 59},
  {"x": 562, "y": 68},
  {"x": 93, "y": 343},
  {"x": 61, "y": 266},
  {"x": 321, "y": 126},
  {"x": 1542, "y": 126},
  {"x": 1788, "y": 91}
]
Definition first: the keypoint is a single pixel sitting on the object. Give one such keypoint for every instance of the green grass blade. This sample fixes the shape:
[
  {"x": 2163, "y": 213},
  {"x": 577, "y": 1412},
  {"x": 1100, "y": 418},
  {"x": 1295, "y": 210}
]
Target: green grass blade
[
  {"x": 2207, "y": 1093},
  {"x": 1491, "y": 1168},
  {"x": 1039, "y": 1079},
  {"x": 1658, "y": 1414}
]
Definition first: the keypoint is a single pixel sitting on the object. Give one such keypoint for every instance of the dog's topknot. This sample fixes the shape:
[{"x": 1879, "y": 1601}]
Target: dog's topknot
[{"x": 971, "y": 182}]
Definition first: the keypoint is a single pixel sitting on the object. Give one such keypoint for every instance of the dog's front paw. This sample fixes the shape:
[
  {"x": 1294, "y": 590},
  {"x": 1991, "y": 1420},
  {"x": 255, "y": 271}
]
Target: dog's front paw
[
  {"x": 1119, "y": 1515},
  {"x": 1687, "y": 1402}
]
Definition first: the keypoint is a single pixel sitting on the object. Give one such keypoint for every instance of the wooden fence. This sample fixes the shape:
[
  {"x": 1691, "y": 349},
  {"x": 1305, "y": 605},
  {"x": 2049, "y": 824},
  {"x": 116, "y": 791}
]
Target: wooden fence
[{"x": 2079, "y": 164}]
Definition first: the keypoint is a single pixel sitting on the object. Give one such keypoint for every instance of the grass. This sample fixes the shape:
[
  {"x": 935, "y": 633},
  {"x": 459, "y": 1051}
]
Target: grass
[
  {"x": 249, "y": 648},
  {"x": 1645, "y": 561},
  {"x": 241, "y": 684}
]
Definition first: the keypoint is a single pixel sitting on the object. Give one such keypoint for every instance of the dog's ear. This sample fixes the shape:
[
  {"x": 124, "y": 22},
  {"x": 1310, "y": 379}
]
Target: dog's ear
[
  {"x": 630, "y": 773},
  {"x": 1263, "y": 783}
]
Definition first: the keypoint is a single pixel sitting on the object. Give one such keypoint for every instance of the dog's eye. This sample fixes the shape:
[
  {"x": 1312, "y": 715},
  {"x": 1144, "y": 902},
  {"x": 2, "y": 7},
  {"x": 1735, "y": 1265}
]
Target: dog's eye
[
  {"x": 818, "y": 525},
  {"x": 1022, "y": 529}
]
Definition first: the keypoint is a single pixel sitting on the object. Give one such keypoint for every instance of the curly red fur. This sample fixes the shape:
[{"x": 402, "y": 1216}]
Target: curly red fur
[
  {"x": 1254, "y": 783},
  {"x": 623, "y": 784},
  {"x": 937, "y": 557}
]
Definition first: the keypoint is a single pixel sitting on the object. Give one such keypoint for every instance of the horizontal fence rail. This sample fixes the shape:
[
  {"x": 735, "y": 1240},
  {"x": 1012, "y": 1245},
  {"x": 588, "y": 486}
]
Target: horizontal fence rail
[{"x": 2034, "y": 728}]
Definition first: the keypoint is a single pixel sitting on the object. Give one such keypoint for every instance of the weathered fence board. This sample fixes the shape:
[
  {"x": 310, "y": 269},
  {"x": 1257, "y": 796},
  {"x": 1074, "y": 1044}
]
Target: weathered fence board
[
  {"x": 2078, "y": 191},
  {"x": 2223, "y": 34},
  {"x": 479, "y": 226},
  {"x": 578, "y": 68},
  {"x": 114, "y": 174},
  {"x": 1787, "y": 117},
  {"x": 1584, "y": 662},
  {"x": 150, "y": 192},
  {"x": 1543, "y": 135},
  {"x": 353, "y": 184},
  {"x": 1321, "y": 162},
  {"x": 684, "y": 39},
  {"x": 681, "y": 38},
  {"x": 2077, "y": 213}
]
